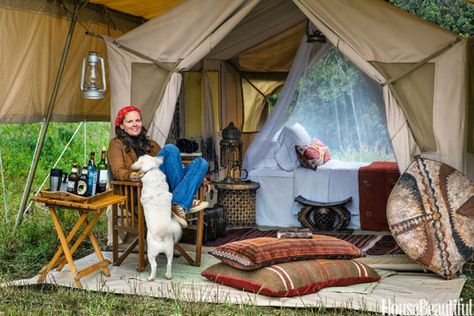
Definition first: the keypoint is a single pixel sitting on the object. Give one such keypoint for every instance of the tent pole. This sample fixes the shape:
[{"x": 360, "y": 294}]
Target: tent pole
[{"x": 77, "y": 7}]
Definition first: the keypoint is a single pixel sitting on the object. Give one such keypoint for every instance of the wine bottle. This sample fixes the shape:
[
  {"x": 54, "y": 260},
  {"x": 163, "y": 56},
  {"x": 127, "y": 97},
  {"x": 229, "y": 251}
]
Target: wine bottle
[{"x": 102, "y": 170}]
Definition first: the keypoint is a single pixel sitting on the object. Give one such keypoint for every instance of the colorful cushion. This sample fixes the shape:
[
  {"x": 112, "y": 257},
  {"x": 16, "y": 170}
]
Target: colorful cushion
[
  {"x": 313, "y": 155},
  {"x": 430, "y": 213},
  {"x": 293, "y": 278},
  {"x": 289, "y": 137},
  {"x": 255, "y": 253}
]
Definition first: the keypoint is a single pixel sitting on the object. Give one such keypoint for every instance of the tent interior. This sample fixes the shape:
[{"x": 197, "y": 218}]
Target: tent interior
[{"x": 193, "y": 70}]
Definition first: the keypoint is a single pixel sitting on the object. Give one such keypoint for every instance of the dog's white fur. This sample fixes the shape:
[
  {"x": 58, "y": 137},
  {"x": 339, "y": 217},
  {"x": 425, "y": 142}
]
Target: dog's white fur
[{"x": 163, "y": 230}]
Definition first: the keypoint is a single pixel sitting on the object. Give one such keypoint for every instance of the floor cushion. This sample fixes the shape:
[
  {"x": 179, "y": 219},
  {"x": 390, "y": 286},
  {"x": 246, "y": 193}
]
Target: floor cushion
[
  {"x": 292, "y": 278},
  {"x": 251, "y": 254},
  {"x": 430, "y": 213}
]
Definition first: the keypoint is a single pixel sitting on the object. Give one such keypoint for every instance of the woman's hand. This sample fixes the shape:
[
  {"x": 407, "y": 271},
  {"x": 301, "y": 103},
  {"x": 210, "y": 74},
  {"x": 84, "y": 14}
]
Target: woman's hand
[{"x": 136, "y": 176}]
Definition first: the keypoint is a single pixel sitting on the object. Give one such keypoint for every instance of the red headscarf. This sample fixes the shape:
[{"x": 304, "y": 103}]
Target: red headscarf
[{"x": 123, "y": 111}]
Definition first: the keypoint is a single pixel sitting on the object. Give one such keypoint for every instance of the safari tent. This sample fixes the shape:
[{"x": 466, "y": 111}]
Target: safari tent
[
  {"x": 218, "y": 62},
  {"x": 426, "y": 72}
]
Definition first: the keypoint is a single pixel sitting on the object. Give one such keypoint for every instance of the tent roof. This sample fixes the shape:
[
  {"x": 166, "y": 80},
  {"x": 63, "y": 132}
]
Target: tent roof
[{"x": 147, "y": 9}]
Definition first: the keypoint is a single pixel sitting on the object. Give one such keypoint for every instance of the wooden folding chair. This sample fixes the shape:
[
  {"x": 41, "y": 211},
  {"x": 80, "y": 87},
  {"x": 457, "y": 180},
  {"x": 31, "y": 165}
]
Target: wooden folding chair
[{"x": 129, "y": 217}]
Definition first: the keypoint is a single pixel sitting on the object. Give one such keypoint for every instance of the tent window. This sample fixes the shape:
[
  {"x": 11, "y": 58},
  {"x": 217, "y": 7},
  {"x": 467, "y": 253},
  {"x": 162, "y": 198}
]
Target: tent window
[
  {"x": 256, "y": 93},
  {"x": 340, "y": 105}
]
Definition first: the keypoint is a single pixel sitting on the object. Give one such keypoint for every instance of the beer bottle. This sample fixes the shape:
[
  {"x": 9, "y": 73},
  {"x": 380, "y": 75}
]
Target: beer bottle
[
  {"x": 102, "y": 170},
  {"x": 82, "y": 186},
  {"x": 72, "y": 179},
  {"x": 91, "y": 176}
]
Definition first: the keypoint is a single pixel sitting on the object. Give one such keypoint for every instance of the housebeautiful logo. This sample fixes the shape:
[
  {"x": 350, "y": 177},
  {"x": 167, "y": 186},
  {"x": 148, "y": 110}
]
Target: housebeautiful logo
[{"x": 423, "y": 307}]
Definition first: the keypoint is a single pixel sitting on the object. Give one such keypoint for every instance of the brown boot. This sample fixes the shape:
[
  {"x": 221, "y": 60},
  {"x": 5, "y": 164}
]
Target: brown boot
[{"x": 179, "y": 215}]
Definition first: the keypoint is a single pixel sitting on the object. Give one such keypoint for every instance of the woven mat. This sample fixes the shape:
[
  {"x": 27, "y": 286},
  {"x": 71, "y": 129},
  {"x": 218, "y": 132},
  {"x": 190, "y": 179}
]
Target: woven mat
[{"x": 188, "y": 285}]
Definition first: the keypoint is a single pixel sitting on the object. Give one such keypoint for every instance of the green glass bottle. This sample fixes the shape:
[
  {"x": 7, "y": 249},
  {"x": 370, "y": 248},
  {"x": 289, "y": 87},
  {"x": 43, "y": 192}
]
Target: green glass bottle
[{"x": 102, "y": 169}]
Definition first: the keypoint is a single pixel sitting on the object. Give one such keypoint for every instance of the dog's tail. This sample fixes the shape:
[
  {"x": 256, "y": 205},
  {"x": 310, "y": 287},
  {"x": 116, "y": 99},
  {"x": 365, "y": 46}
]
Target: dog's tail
[{"x": 175, "y": 227}]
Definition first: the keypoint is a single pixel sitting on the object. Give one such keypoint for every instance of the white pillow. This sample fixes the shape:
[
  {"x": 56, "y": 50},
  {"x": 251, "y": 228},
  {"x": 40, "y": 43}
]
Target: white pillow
[{"x": 289, "y": 137}]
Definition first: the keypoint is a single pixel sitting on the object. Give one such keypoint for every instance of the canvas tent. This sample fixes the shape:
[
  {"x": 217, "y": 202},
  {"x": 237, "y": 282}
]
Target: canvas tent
[{"x": 423, "y": 68}]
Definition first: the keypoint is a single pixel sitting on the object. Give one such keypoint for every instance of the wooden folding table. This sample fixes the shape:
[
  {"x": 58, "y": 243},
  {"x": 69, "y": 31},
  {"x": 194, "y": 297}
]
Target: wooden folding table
[{"x": 94, "y": 206}]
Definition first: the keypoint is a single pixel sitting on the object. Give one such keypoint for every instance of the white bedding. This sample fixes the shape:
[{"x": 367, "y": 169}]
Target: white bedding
[{"x": 333, "y": 181}]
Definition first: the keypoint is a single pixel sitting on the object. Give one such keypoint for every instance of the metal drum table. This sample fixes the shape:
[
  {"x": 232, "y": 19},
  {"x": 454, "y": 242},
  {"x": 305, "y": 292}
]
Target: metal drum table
[{"x": 239, "y": 201}]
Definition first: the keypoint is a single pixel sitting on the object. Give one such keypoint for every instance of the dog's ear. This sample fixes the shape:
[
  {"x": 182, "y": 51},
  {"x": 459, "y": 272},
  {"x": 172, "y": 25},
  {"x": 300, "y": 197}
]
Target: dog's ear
[{"x": 158, "y": 160}]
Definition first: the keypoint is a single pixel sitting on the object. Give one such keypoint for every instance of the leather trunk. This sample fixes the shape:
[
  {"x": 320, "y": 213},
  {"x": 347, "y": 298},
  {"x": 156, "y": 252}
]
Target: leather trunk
[
  {"x": 376, "y": 181},
  {"x": 214, "y": 226}
]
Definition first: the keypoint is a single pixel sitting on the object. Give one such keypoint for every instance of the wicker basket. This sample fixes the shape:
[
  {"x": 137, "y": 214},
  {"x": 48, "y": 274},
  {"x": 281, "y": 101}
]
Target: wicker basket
[{"x": 239, "y": 202}]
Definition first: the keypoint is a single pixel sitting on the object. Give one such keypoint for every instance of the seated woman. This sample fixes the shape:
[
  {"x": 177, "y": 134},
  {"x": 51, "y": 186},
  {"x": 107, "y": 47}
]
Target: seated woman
[{"x": 131, "y": 142}]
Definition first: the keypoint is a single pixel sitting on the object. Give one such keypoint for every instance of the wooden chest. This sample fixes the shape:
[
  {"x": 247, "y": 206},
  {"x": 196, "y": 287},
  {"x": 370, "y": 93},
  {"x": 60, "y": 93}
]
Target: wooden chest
[{"x": 376, "y": 181}]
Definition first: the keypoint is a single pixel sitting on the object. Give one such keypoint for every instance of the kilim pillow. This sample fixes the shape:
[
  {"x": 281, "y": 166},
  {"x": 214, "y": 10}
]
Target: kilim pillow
[
  {"x": 293, "y": 278},
  {"x": 430, "y": 213},
  {"x": 255, "y": 253},
  {"x": 313, "y": 155}
]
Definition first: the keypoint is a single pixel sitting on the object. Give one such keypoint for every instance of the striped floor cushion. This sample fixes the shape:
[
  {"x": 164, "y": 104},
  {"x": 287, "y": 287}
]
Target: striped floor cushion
[
  {"x": 293, "y": 278},
  {"x": 255, "y": 253}
]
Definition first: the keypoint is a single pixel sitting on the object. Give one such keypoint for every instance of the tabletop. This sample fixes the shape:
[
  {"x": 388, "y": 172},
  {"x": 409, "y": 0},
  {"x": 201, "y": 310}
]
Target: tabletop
[{"x": 96, "y": 204}]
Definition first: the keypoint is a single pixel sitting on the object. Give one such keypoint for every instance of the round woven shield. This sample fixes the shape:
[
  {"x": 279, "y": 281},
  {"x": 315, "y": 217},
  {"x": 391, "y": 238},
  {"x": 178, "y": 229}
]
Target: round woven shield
[{"x": 430, "y": 213}]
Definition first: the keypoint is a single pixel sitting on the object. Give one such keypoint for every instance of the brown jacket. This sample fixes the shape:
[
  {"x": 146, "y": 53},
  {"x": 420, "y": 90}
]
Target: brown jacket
[{"x": 120, "y": 160}]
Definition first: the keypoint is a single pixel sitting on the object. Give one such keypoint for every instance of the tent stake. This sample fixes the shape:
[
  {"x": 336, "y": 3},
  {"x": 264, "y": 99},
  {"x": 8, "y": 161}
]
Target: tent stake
[{"x": 67, "y": 44}]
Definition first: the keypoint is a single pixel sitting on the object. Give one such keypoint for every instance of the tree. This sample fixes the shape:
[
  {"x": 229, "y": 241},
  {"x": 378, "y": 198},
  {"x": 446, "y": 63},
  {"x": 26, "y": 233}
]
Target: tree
[{"x": 456, "y": 16}]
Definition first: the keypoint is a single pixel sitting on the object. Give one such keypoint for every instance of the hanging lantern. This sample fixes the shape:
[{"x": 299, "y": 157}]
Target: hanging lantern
[
  {"x": 90, "y": 86},
  {"x": 231, "y": 153}
]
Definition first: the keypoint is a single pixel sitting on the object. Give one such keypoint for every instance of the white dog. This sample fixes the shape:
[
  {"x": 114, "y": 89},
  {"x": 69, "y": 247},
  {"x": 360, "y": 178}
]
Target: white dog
[{"x": 163, "y": 230}]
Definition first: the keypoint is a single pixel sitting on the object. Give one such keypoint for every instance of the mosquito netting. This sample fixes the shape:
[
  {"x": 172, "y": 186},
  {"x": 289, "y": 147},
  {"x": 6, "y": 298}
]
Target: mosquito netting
[{"x": 334, "y": 101}]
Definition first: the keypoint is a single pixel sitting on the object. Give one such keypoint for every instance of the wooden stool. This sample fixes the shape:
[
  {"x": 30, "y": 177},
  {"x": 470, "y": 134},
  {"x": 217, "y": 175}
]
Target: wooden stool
[{"x": 330, "y": 216}]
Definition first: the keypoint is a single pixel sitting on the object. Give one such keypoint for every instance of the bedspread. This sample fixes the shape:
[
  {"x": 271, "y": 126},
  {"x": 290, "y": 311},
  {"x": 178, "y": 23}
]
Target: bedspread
[{"x": 334, "y": 181}]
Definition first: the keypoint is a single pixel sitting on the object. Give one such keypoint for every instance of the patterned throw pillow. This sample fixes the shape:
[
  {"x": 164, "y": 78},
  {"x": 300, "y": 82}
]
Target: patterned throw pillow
[
  {"x": 255, "y": 253},
  {"x": 430, "y": 213},
  {"x": 293, "y": 278},
  {"x": 313, "y": 155}
]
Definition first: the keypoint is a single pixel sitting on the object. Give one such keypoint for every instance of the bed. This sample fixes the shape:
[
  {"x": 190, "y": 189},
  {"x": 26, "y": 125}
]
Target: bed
[
  {"x": 282, "y": 178},
  {"x": 333, "y": 181}
]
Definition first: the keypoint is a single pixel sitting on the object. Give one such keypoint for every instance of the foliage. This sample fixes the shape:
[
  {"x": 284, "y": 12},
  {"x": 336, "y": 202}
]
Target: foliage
[
  {"x": 17, "y": 147},
  {"x": 454, "y": 15},
  {"x": 338, "y": 104},
  {"x": 35, "y": 237}
]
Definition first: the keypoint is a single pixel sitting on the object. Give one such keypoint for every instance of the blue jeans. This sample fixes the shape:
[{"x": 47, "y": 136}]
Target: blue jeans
[{"x": 184, "y": 181}]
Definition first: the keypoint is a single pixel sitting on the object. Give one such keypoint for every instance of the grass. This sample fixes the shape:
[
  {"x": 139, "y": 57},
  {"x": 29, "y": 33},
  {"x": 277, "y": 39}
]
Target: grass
[{"x": 48, "y": 299}]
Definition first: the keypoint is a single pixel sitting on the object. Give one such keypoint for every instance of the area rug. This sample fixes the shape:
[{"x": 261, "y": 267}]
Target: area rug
[
  {"x": 372, "y": 245},
  {"x": 187, "y": 284}
]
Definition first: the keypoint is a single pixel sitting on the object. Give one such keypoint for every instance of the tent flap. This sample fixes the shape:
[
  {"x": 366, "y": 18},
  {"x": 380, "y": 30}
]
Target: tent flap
[{"x": 28, "y": 66}]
